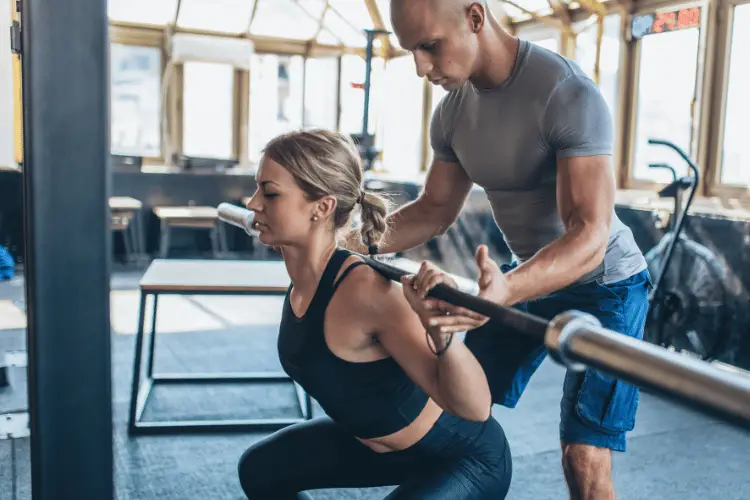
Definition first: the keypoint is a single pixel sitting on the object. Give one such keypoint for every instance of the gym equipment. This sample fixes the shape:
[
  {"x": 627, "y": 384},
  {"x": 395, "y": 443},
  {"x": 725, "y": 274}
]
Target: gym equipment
[
  {"x": 365, "y": 142},
  {"x": 690, "y": 305},
  {"x": 577, "y": 340}
]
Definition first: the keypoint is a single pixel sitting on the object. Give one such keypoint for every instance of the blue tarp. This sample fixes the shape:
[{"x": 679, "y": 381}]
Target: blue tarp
[{"x": 6, "y": 264}]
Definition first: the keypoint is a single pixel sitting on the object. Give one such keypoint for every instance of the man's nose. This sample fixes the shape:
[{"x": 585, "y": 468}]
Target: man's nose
[{"x": 423, "y": 65}]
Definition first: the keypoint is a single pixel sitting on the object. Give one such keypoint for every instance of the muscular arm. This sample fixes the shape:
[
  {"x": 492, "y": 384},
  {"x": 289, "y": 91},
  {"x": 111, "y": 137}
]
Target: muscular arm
[
  {"x": 437, "y": 207},
  {"x": 431, "y": 214},
  {"x": 455, "y": 380},
  {"x": 578, "y": 126},
  {"x": 585, "y": 198}
]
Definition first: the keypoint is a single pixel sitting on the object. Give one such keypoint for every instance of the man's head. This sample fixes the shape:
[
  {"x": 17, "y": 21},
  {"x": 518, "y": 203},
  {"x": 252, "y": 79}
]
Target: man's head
[{"x": 443, "y": 35}]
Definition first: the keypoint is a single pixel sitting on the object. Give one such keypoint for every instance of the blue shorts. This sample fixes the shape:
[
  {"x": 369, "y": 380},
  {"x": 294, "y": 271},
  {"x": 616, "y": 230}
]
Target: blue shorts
[{"x": 596, "y": 408}]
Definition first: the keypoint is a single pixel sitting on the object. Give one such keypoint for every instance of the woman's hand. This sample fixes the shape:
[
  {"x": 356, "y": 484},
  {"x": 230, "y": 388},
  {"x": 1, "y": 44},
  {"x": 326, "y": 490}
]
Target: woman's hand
[{"x": 437, "y": 316}]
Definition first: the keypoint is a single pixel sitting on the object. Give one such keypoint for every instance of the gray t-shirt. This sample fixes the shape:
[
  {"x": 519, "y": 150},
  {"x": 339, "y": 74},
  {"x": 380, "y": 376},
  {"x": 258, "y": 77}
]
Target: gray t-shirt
[{"x": 508, "y": 139}]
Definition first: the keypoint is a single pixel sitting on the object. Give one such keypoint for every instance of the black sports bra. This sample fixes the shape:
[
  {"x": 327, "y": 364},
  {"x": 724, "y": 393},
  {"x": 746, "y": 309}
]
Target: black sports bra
[{"x": 371, "y": 399}]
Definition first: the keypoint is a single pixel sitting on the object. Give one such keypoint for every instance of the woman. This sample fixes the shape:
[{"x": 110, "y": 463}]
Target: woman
[{"x": 407, "y": 407}]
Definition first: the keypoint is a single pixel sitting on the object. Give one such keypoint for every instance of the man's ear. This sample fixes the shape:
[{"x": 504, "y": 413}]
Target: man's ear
[{"x": 477, "y": 15}]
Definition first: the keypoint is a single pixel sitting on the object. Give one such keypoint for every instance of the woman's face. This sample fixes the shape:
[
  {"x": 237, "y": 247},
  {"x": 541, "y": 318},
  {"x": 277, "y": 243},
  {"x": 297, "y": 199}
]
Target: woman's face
[{"x": 283, "y": 215}]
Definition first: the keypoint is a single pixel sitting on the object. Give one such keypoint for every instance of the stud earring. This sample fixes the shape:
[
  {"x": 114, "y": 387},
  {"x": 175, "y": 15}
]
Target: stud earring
[{"x": 315, "y": 217}]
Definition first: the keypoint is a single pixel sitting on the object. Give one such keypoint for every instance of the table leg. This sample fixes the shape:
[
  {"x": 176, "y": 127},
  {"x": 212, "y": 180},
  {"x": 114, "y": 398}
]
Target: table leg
[
  {"x": 164, "y": 245},
  {"x": 137, "y": 402},
  {"x": 152, "y": 340}
]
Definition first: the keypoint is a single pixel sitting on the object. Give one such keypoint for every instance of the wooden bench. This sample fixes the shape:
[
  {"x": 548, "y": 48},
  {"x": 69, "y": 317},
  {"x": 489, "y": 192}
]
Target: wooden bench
[
  {"x": 212, "y": 277},
  {"x": 126, "y": 217},
  {"x": 191, "y": 218}
]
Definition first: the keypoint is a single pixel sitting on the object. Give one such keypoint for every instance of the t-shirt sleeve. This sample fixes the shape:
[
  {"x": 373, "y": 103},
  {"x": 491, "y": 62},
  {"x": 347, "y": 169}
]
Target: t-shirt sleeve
[
  {"x": 577, "y": 120},
  {"x": 440, "y": 142}
]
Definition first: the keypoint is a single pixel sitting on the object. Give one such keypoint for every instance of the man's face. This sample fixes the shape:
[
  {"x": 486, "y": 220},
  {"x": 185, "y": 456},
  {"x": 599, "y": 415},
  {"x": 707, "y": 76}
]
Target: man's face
[{"x": 443, "y": 46}]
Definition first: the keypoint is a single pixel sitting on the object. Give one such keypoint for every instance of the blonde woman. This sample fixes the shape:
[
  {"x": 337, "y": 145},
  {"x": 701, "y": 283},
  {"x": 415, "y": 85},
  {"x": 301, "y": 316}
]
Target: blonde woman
[{"x": 406, "y": 407}]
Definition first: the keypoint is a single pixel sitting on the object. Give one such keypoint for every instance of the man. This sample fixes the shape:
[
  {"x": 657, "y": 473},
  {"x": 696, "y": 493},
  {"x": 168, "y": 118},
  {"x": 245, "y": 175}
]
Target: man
[{"x": 531, "y": 129}]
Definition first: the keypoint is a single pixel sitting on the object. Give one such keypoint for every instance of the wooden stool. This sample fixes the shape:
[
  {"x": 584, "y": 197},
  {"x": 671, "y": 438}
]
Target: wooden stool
[
  {"x": 126, "y": 217},
  {"x": 193, "y": 218}
]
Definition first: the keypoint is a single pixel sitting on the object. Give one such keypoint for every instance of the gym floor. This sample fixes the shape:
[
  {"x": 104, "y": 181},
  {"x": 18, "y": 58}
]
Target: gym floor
[{"x": 673, "y": 453}]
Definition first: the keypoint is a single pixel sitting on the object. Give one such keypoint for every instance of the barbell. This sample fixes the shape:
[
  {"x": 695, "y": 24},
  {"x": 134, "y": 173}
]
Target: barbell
[{"x": 577, "y": 340}]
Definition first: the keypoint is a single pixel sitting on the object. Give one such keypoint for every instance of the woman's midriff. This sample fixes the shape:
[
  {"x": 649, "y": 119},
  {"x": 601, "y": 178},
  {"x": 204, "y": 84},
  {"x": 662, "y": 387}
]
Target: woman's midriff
[{"x": 409, "y": 435}]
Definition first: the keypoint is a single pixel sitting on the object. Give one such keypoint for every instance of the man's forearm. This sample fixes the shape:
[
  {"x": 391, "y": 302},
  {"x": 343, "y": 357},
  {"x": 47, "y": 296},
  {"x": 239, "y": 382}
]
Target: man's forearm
[
  {"x": 559, "y": 264},
  {"x": 411, "y": 225}
]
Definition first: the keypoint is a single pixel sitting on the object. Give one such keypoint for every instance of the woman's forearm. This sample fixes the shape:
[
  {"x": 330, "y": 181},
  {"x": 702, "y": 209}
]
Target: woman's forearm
[{"x": 462, "y": 381}]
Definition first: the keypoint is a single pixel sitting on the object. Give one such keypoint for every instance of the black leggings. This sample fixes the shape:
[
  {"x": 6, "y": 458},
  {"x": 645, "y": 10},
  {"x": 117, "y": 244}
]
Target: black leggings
[{"x": 456, "y": 460}]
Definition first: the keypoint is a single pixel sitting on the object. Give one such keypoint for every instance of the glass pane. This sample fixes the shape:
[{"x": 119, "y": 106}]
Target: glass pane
[
  {"x": 353, "y": 94},
  {"x": 384, "y": 6},
  {"x": 665, "y": 98},
  {"x": 156, "y": 12},
  {"x": 354, "y": 11},
  {"x": 438, "y": 93},
  {"x": 540, "y": 7},
  {"x": 514, "y": 12},
  {"x": 343, "y": 30},
  {"x": 735, "y": 167},
  {"x": 136, "y": 100},
  {"x": 313, "y": 7},
  {"x": 208, "y": 110},
  {"x": 326, "y": 38},
  {"x": 401, "y": 127},
  {"x": 228, "y": 16},
  {"x": 609, "y": 59},
  {"x": 284, "y": 19},
  {"x": 276, "y": 87},
  {"x": 320, "y": 92}
]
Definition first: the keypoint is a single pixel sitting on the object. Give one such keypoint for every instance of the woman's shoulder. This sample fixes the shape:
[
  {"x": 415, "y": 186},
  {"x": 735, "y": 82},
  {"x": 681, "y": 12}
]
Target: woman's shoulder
[{"x": 363, "y": 288}]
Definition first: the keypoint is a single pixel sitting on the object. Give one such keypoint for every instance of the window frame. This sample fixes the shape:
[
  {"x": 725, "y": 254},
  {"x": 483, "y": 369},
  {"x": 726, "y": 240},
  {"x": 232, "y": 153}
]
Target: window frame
[
  {"x": 697, "y": 149},
  {"x": 719, "y": 100}
]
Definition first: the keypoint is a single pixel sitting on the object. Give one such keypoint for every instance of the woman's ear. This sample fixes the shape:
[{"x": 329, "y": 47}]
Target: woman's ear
[{"x": 325, "y": 207}]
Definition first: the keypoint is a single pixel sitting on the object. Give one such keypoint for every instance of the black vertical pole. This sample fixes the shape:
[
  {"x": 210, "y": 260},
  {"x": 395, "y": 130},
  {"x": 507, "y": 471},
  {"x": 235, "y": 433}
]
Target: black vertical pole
[
  {"x": 65, "y": 62},
  {"x": 368, "y": 70}
]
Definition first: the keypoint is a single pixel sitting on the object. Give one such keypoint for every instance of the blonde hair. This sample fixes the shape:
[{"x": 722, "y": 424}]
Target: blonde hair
[{"x": 324, "y": 163}]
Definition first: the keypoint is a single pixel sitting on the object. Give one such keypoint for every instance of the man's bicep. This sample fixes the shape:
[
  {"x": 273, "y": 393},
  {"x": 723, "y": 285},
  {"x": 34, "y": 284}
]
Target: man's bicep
[
  {"x": 585, "y": 189},
  {"x": 578, "y": 121},
  {"x": 447, "y": 185}
]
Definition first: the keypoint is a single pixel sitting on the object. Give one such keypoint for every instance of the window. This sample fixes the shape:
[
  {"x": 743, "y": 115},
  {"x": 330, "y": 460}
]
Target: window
[
  {"x": 228, "y": 16},
  {"x": 135, "y": 81},
  {"x": 438, "y": 93},
  {"x": 401, "y": 128},
  {"x": 665, "y": 100},
  {"x": 353, "y": 69},
  {"x": 609, "y": 58},
  {"x": 321, "y": 96},
  {"x": 541, "y": 35},
  {"x": 276, "y": 87},
  {"x": 286, "y": 19},
  {"x": 155, "y": 12},
  {"x": 735, "y": 165},
  {"x": 208, "y": 110},
  {"x": 347, "y": 20}
]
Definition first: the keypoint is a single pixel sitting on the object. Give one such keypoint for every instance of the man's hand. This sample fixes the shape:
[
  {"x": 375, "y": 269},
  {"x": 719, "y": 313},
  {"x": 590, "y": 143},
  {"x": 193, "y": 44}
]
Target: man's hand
[{"x": 444, "y": 316}]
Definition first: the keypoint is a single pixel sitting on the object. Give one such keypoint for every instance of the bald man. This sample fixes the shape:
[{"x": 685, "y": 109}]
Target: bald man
[{"x": 532, "y": 129}]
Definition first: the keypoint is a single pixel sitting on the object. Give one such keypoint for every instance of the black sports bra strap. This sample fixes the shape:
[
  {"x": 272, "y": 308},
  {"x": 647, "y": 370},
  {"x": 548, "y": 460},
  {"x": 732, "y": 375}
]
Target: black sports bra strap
[{"x": 343, "y": 275}]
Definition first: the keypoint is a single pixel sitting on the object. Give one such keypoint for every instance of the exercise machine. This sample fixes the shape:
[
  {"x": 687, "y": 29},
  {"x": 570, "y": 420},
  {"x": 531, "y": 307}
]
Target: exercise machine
[{"x": 690, "y": 305}]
